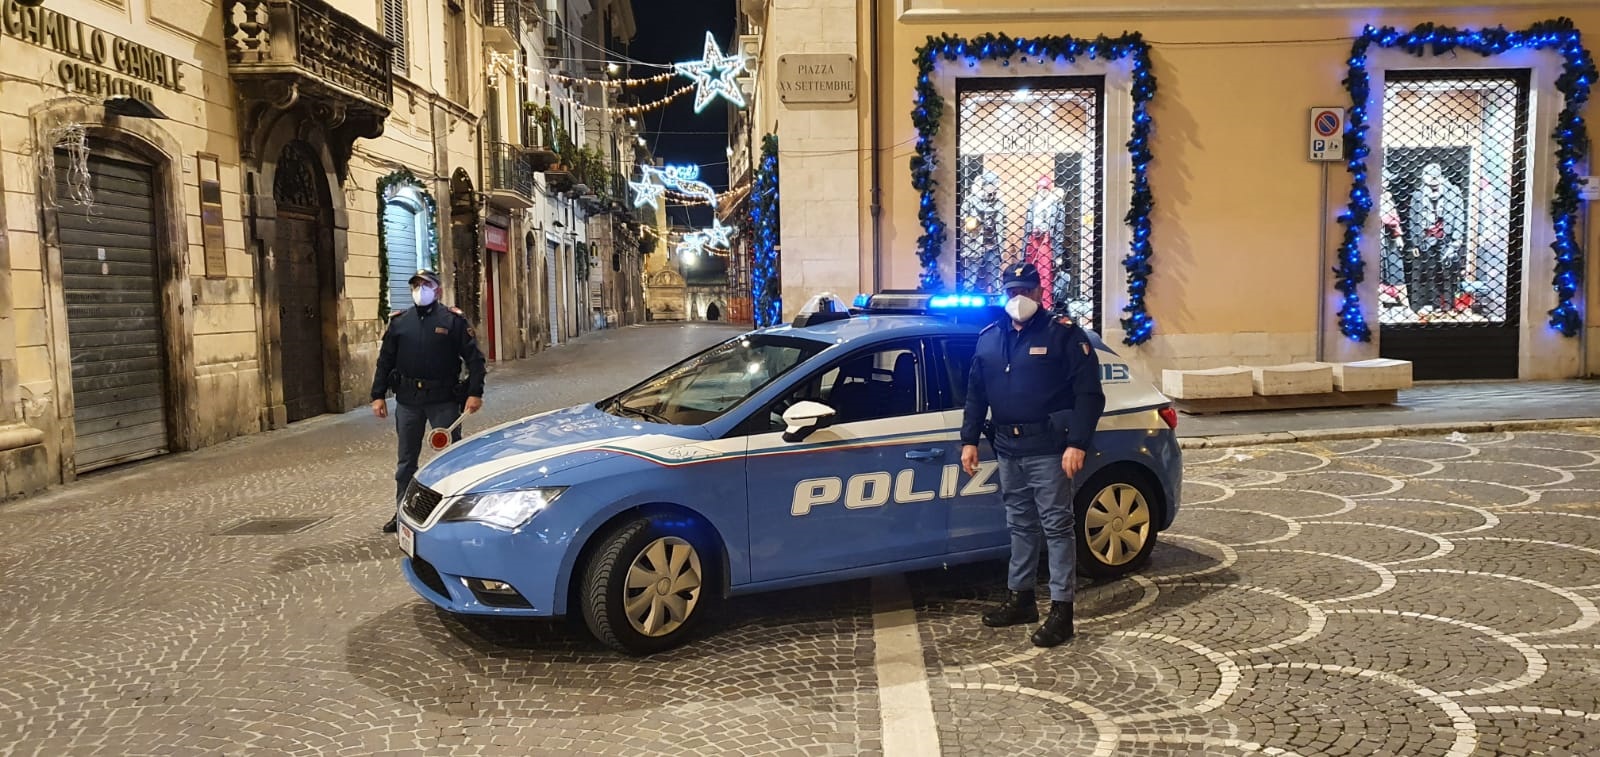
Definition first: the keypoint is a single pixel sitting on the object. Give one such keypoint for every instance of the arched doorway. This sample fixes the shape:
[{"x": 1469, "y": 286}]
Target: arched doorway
[
  {"x": 465, "y": 247},
  {"x": 302, "y": 269},
  {"x": 713, "y": 313},
  {"x": 405, "y": 236},
  {"x": 402, "y": 233}
]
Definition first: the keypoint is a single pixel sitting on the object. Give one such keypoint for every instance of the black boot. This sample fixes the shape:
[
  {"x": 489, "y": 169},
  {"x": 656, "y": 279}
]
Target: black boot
[
  {"x": 390, "y": 527},
  {"x": 1019, "y": 607},
  {"x": 1057, "y": 628}
]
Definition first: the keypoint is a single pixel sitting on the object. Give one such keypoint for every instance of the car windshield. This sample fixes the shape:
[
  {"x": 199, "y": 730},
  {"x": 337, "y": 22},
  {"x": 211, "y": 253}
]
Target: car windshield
[{"x": 713, "y": 382}]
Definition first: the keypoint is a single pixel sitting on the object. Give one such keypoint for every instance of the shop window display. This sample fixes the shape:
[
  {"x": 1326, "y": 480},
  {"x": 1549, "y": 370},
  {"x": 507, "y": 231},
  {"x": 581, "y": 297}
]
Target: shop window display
[
  {"x": 1450, "y": 210},
  {"x": 1029, "y": 187}
]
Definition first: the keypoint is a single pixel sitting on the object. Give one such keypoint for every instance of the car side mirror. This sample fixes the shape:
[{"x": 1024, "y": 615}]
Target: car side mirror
[{"x": 805, "y": 418}]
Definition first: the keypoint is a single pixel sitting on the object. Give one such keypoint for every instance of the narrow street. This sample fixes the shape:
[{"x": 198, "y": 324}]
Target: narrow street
[{"x": 1420, "y": 596}]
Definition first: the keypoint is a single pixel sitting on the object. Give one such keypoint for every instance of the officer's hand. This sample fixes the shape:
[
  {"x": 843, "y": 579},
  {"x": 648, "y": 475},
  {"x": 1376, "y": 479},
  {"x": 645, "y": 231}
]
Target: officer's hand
[
  {"x": 380, "y": 408},
  {"x": 969, "y": 459},
  {"x": 474, "y": 404},
  {"x": 1072, "y": 461}
]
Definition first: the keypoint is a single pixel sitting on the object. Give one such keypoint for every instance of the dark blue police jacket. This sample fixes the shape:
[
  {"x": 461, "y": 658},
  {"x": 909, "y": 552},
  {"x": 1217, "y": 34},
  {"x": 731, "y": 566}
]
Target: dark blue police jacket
[
  {"x": 1041, "y": 383},
  {"x": 422, "y": 354}
]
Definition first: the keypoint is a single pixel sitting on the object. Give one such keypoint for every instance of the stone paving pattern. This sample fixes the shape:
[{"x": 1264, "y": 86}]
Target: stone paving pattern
[
  {"x": 1417, "y": 596},
  {"x": 1426, "y": 596}
]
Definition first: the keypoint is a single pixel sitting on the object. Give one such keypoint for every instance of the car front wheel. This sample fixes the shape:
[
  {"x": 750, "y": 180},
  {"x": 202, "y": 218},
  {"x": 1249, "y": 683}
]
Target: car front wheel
[
  {"x": 644, "y": 588},
  {"x": 1116, "y": 525}
]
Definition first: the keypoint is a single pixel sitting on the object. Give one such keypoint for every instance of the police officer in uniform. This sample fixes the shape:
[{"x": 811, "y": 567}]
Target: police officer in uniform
[
  {"x": 1040, "y": 379},
  {"x": 423, "y": 350}
]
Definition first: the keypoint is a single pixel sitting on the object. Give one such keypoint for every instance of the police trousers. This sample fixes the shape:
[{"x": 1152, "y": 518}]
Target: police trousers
[
  {"x": 1038, "y": 499},
  {"x": 411, "y": 422}
]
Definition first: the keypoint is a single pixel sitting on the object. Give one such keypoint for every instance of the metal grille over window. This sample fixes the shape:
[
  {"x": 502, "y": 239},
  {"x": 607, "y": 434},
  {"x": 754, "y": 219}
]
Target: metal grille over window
[
  {"x": 1451, "y": 210},
  {"x": 1028, "y": 188}
]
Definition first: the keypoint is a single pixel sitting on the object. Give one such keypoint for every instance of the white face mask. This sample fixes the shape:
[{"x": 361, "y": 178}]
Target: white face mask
[
  {"x": 1021, "y": 308},
  {"x": 423, "y": 296}
]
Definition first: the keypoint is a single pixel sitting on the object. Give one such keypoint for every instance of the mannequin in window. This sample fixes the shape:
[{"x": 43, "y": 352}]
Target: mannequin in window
[
  {"x": 1436, "y": 239},
  {"x": 1044, "y": 238},
  {"x": 981, "y": 233}
]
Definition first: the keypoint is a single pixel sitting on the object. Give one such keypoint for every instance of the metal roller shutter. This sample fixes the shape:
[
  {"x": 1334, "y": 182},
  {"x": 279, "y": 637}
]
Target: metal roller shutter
[
  {"x": 400, "y": 238},
  {"x": 114, "y": 327}
]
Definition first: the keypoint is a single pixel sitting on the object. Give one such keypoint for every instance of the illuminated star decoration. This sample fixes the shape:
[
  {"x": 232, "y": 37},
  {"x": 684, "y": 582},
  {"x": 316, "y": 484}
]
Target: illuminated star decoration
[
  {"x": 708, "y": 86},
  {"x": 693, "y": 243},
  {"x": 718, "y": 235},
  {"x": 646, "y": 192}
]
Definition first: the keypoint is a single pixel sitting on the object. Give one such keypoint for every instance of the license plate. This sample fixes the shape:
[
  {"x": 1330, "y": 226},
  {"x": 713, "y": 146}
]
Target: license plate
[{"x": 408, "y": 540}]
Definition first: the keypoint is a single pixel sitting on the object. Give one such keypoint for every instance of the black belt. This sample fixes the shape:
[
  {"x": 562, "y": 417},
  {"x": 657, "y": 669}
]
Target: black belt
[
  {"x": 426, "y": 383},
  {"x": 1018, "y": 430}
]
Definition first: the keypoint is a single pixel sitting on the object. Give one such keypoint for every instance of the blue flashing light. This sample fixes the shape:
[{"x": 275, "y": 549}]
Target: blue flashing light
[{"x": 863, "y": 300}]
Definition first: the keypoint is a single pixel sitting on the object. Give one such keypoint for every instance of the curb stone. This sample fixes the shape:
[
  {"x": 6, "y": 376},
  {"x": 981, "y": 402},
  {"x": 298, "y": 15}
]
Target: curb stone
[{"x": 1377, "y": 432}]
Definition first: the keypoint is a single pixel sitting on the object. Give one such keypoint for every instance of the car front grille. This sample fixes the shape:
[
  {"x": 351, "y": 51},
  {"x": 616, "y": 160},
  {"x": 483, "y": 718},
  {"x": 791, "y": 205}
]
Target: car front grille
[{"x": 419, "y": 502}]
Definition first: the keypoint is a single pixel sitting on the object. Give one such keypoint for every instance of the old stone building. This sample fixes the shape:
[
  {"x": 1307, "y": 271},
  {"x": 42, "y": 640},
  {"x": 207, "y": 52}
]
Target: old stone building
[{"x": 129, "y": 324}]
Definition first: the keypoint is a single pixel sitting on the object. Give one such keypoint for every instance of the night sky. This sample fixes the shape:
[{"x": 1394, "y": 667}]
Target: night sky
[{"x": 670, "y": 31}]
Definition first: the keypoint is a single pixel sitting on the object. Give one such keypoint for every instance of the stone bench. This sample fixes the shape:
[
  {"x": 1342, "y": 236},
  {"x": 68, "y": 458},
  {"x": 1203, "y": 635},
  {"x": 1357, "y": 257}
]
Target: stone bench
[{"x": 1286, "y": 387}]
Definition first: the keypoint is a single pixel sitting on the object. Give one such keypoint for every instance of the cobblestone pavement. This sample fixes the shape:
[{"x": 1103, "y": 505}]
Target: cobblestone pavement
[
  {"x": 1413, "y": 597},
  {"x": 1418, "y": 596}
]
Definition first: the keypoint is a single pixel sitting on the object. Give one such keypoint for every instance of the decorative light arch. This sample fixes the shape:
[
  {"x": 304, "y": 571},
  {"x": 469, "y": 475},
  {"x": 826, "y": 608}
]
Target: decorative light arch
[
  {"x": 1571, "y": 136},
  {"x": 926, "y": 116}
]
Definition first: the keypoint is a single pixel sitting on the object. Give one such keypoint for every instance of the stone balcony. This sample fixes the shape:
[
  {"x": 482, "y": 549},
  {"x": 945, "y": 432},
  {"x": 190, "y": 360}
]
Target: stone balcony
[{"x": 304, "y": 54}]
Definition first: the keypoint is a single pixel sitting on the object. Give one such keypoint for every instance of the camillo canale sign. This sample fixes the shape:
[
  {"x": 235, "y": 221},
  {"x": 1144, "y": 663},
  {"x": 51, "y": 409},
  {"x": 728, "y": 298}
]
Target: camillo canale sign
[{"x": 92, "y": 55}]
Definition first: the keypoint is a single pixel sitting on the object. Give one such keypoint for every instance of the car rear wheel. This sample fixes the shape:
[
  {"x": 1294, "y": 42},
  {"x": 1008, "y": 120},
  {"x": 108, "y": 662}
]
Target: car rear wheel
[
  {"x": 644, "y": 588},
  {"x": 1116, "y": 525}
]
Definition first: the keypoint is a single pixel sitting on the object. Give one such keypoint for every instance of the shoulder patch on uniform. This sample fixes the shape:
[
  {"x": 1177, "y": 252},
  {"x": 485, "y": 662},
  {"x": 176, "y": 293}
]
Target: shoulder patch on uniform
[
  {"x": 1085, "y": 346},
  {"x": 397, "y": 314},
  {"x": 456, "y": 310},
  {"x": 1066, "y": 320}
]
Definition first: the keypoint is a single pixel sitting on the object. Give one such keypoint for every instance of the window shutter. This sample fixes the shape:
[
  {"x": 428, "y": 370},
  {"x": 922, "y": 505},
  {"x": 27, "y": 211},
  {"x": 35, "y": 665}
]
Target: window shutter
[{"x": 394, "y": 28}]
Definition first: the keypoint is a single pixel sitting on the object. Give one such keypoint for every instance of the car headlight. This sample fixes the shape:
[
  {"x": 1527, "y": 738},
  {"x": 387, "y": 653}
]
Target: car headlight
[{"x": 504, "y": 509}]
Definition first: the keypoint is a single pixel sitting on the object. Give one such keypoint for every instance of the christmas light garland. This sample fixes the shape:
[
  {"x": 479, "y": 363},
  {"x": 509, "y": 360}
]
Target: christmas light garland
[
  {"x": 616, "y": 83},
  {"x": 765, "y": 283},
  {"x": 929, "y": 111},
  {"x": 1571, "y": 136}
]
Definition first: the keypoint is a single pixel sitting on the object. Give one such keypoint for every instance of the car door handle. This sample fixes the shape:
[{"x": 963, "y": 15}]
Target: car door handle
[{"x": 925, "y": 454}]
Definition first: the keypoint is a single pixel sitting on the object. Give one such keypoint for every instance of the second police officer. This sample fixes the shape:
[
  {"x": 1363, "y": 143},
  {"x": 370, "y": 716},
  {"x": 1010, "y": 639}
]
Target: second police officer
[
  {"x": 1039, "y": 378},
  {"x": 423, "y": 351}
]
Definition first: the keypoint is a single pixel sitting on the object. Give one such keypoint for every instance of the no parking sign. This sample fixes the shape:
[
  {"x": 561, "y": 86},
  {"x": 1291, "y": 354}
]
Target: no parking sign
[{"x": 1327, "y": 133}]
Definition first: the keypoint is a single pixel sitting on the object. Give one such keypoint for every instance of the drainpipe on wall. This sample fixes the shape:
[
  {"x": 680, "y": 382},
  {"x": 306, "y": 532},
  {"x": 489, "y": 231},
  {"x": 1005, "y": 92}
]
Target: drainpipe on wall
[{"x": 876, "y": 206}]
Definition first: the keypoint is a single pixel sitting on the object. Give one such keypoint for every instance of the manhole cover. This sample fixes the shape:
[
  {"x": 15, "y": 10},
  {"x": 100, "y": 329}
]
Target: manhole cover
[{"x": 272, "y": 526}]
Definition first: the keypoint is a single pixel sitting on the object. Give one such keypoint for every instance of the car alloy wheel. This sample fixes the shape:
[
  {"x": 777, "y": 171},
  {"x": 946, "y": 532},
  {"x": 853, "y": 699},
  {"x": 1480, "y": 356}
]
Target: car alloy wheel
[
  {"x": 663, "y": 587},
  {"x": 643, "y": 587},
  {"x": 1117, "y": 524}
]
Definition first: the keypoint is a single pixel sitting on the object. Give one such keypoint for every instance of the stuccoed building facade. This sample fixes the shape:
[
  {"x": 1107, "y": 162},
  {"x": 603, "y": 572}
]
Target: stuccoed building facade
[
  {"x": 210, "y": 212},
  {"x": 1159, "y": 162}
]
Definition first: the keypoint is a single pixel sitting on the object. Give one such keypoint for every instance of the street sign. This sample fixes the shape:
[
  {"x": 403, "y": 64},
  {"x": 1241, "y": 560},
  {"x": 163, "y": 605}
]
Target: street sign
[{"x": 1327, "y": 134}]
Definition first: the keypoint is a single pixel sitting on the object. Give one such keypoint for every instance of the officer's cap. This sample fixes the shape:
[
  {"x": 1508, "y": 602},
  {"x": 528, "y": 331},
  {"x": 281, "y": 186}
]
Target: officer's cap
[
  {"x": 1021, "y": 275},
  {"x": 425, "y": 275}
]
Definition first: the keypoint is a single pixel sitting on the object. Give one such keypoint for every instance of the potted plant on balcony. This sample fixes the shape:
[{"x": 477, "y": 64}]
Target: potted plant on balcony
[{"x": 542, "y": 142}]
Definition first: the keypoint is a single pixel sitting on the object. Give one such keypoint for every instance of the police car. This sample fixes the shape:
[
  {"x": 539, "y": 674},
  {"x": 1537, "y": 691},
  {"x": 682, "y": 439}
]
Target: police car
[{"x": 819, "y": 451}]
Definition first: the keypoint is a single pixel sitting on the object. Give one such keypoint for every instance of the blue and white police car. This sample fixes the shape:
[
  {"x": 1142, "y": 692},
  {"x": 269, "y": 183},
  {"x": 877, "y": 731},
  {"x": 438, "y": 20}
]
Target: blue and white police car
[{"x": 820, "y": 451}]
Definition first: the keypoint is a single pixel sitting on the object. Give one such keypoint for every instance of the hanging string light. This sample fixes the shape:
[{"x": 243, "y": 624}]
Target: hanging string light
[
  {"x": 628, "y": 110},
  {"x": 731, "y": 196},
  {"x": 616, "y": 83}
]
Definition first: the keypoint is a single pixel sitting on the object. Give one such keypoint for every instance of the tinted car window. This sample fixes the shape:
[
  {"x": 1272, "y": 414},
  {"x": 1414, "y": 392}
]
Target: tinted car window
[
  {"x": 709, "y": 384},
  {"x": 881, "y": 383},
  {"x": 955, "y": 365}
]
